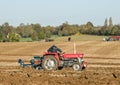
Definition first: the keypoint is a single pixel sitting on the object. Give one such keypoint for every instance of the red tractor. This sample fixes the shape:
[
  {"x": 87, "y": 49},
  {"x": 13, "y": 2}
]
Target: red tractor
[
  {"x": 112, "y": 38},
  {"x": 53, "y": 60}
]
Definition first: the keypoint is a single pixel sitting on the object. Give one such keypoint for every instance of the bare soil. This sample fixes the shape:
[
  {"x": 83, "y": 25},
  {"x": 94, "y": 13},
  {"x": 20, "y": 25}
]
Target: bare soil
[{"x": 103, "y": 67}]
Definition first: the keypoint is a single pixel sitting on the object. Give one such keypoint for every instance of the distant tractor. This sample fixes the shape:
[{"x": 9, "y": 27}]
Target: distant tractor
[
  {"x": 112, "y": 38},
  {"x": 53, "y": 60}
]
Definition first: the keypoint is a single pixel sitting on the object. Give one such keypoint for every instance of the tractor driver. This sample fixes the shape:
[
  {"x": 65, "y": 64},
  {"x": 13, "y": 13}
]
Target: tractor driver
[{"x": 54, "y": 49}]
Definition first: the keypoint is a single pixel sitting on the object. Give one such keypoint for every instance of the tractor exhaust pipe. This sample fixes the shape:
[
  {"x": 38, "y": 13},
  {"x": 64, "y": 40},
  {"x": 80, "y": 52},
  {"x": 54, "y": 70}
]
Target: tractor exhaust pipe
[{"x": 74, "y": 50}]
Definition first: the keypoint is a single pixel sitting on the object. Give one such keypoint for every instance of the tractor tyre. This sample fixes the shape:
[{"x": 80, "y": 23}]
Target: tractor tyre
[
  {"x": 60, "y": 68},
  {"x": 77, "y": 67},
  {"x": 49, "y": 63}
]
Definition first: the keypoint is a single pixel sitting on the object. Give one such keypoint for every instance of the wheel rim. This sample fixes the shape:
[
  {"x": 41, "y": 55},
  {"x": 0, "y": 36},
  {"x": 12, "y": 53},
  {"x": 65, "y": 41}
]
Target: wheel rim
[
  {"x": 76, "y": 67},
  {"x": 50, "y": 64}
]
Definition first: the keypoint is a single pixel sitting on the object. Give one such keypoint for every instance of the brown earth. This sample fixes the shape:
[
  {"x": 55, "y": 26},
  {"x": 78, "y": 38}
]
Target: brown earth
[{"x": 103, "y": 60}]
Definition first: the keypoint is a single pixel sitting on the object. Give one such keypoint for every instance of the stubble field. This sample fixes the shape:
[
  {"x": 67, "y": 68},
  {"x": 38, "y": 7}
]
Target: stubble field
[{"x": 103, "y": 60}]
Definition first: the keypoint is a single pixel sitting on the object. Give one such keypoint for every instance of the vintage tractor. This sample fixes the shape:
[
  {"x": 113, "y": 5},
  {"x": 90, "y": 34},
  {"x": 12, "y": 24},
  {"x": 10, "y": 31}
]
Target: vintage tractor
[{"x": 53, "y": 60}]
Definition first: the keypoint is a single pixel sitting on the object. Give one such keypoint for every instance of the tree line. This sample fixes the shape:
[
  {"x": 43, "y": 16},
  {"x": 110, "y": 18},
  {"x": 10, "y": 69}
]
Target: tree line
[{"x": 37, "y": 32}]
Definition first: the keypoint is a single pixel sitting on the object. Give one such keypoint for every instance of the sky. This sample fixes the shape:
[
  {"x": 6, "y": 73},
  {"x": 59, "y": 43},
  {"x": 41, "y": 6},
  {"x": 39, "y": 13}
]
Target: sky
[{"x": 56, "y": 12}]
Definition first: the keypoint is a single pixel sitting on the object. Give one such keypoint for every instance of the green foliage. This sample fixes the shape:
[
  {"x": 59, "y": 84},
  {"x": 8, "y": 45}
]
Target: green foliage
[
  {"x": 65, "y": 29},
  {"x": 106, "y": 23},
  {"x": 110, "y": 23},
  {"x": 34, "y": 36},
  {"x": 25, "y": 30},
  {"x": 39, "y": 32},
  {"x": 36, "y": 32},
  {"x": 115, "y": 30},
  {"x": 0, "y": 38},
  {"x": 13, "y": 37},
  {"x": 41, "y": 35},
  {"x": 89, "y": 25},
  {"x": 25, "y": 40}
]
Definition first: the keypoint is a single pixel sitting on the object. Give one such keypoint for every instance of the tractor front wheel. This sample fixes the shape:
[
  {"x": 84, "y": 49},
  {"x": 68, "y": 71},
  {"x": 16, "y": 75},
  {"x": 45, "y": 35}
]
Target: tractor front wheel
[
  {"x": 49, "y": 63},
  {"x": 77, "y": 67}
]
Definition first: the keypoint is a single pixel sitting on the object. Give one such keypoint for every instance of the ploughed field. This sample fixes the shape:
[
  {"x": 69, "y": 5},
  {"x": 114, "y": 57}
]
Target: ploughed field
[{"x": 103, "y": 60}]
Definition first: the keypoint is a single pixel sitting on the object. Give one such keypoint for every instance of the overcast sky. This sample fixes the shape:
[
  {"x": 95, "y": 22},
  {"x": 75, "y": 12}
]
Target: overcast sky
[{"x": 56, "y": 12}]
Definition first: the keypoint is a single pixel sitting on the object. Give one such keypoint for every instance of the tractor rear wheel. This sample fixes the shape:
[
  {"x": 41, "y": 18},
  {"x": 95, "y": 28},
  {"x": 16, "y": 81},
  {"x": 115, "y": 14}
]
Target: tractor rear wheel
[
  {"x": 77, "y": 67},
  {"x": 49, "y": 63}
]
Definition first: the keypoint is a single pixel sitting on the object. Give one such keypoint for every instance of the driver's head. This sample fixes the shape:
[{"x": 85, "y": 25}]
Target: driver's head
[{"x": 54, "y": 46}]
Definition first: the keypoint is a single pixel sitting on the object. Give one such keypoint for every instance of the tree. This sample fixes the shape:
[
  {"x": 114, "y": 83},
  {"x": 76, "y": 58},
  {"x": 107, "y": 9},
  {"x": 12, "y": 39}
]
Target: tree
[
  {"x": 89, "y": 25},
  {"x": 25, "y": 31},
  {"x": 104, "y": 29},
  {"x": 110, "y": 25},
  {"x": 106, "y": 23},
  {"x": 110, "y": 22},
  {"x": 49, "y": 30},
  {"x": 6, "y": 28},
  {"x": 41, "y": 35},
  {"x": 40, "y": 31},
  {"x": 65, "y": 29},
  {"x": 34, "y": 36},
  {"x": 88, "y": 28},
  {"x": 114, "y": 30}
]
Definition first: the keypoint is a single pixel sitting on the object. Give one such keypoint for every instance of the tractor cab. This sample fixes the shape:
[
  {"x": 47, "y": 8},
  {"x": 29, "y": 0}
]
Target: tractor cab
[{"x": 55, "y": 49}]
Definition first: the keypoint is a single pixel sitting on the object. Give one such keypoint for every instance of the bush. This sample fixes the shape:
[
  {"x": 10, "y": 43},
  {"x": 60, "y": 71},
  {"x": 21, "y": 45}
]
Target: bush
[{"x": 13, "y": 37}]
